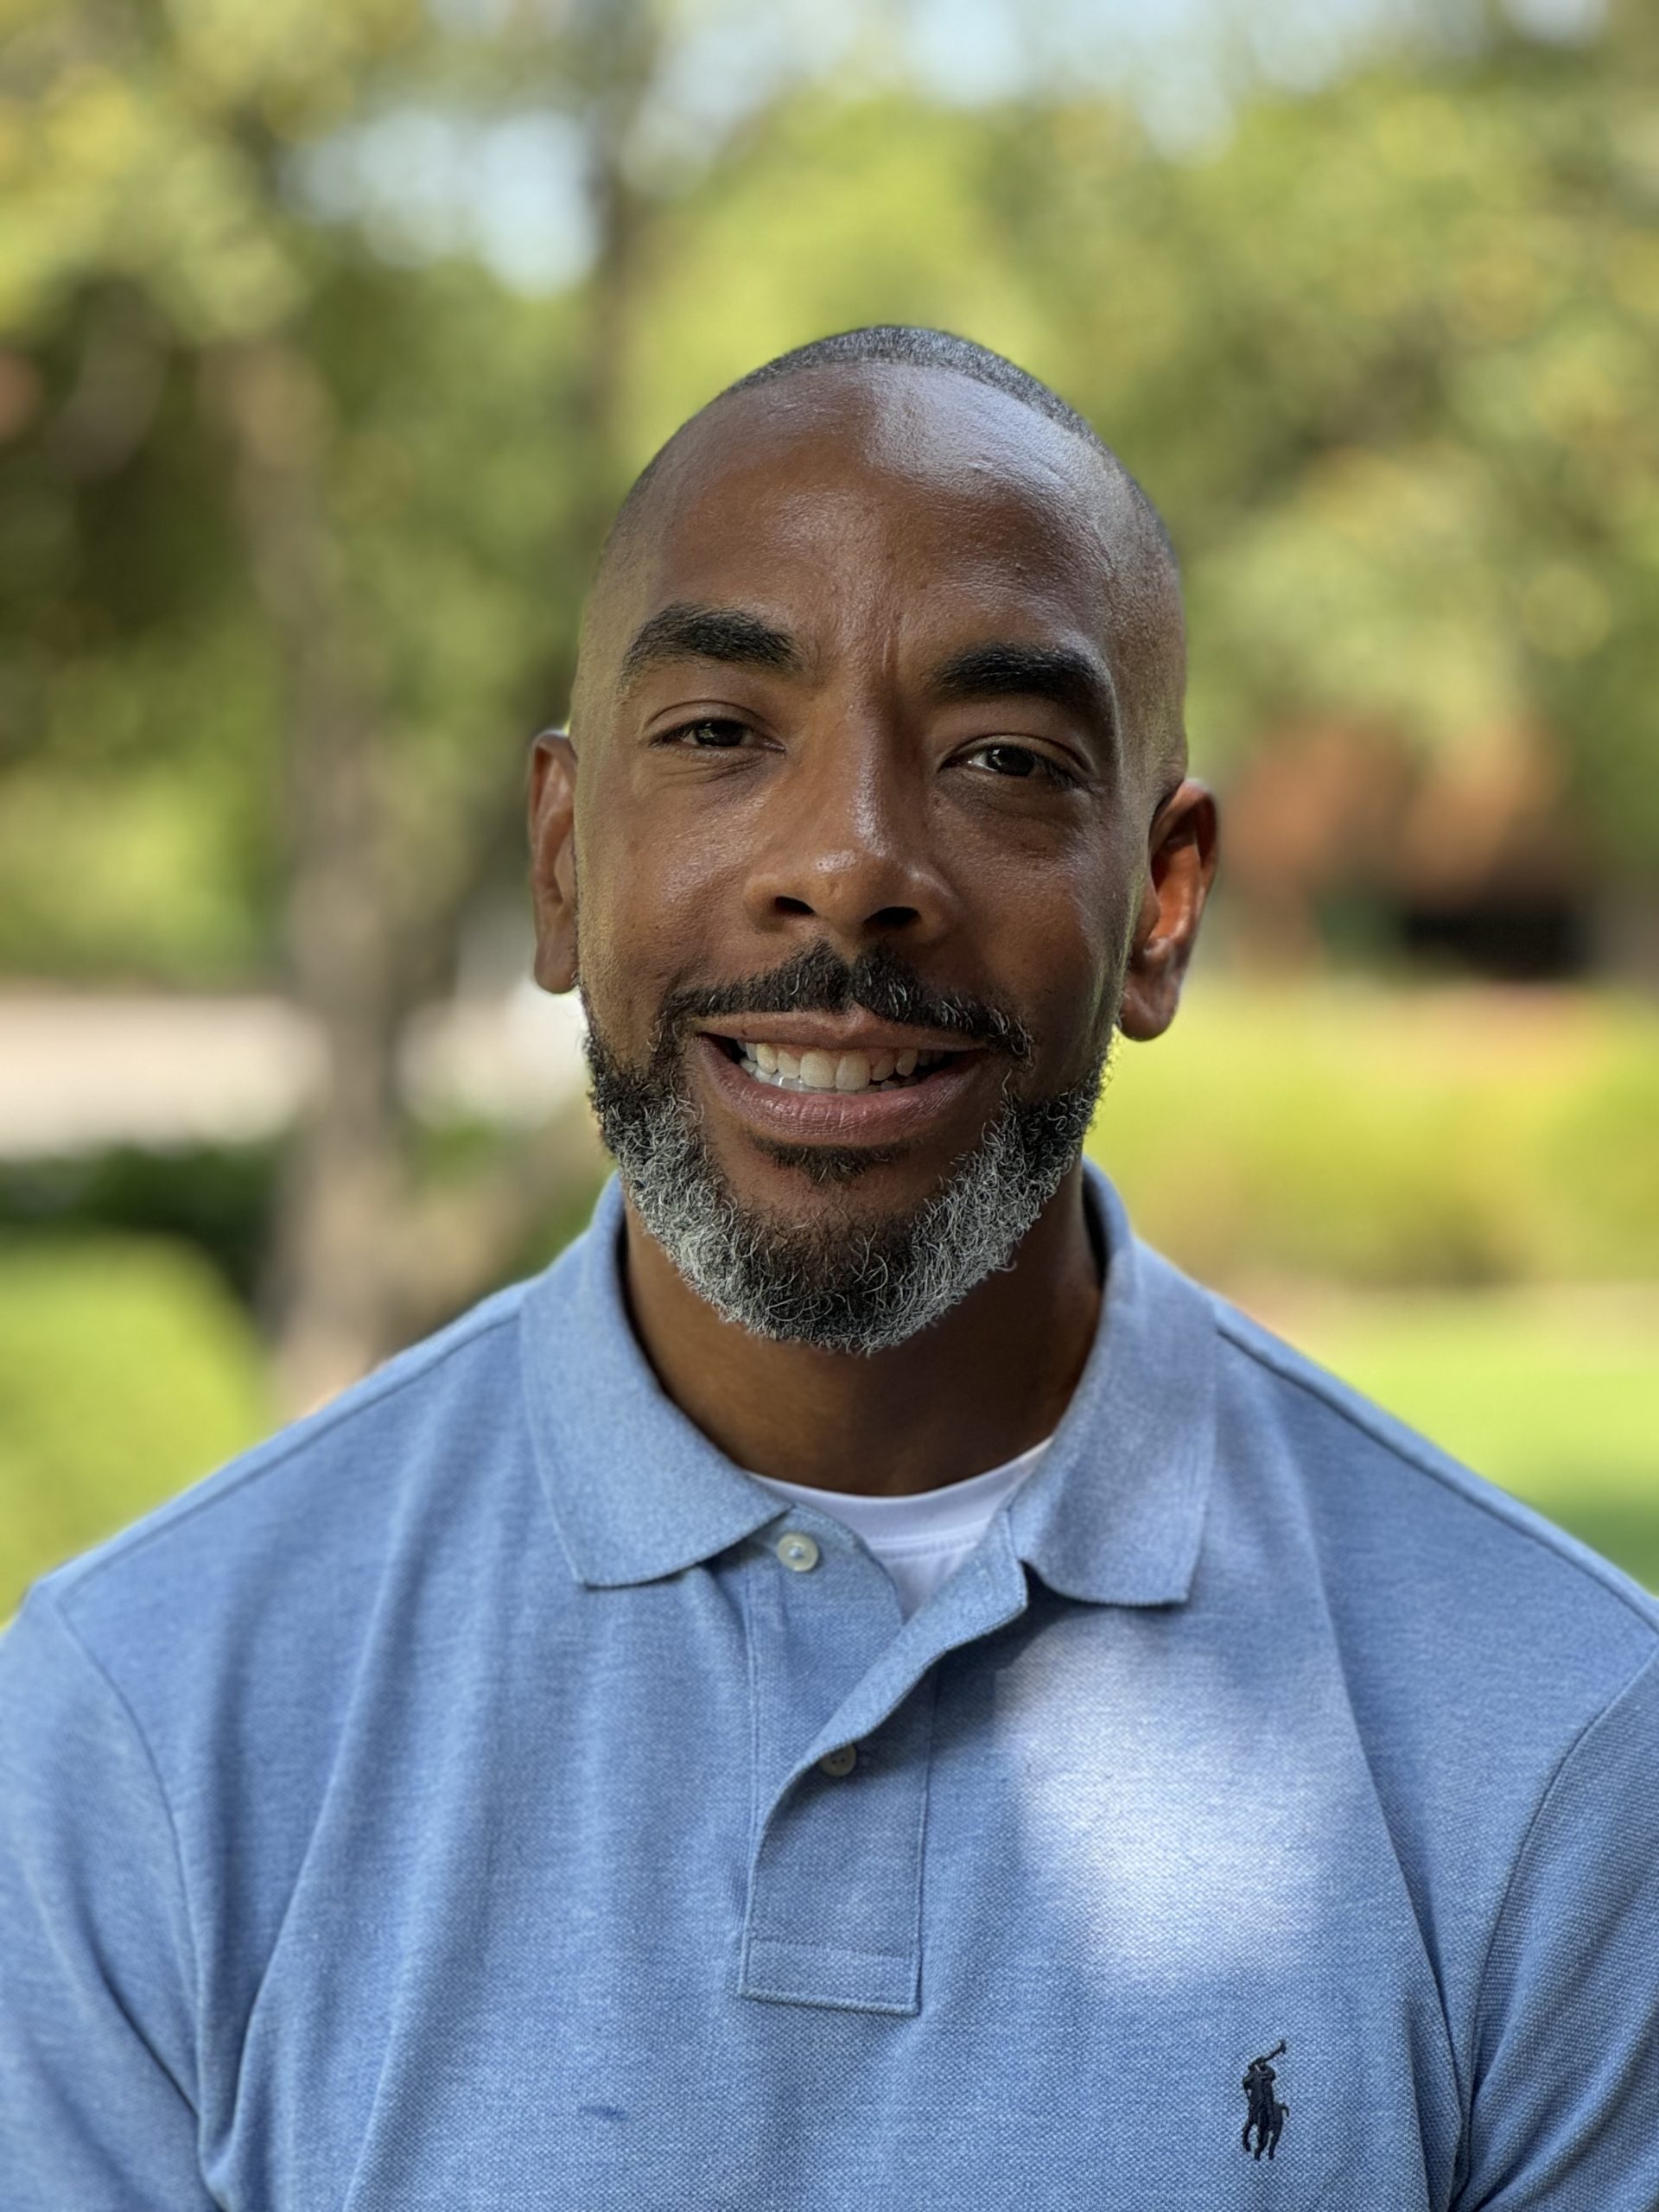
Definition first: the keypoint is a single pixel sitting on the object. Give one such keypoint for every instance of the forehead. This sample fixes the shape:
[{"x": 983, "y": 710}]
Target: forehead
[{"x": 888, "y": 499}]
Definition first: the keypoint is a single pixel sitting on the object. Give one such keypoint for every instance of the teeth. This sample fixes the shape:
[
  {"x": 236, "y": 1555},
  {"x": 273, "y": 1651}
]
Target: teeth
[{"x": 842, "y": 1071}]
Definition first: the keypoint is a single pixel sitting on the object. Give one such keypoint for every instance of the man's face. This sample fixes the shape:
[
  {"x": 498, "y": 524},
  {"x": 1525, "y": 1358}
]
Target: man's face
[{"x": 860, "y": 834}]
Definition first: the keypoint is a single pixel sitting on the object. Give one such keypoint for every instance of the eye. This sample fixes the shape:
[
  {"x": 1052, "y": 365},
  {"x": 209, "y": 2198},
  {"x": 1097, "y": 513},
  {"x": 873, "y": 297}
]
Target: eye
[
  {"x": 714, "y": 734},
  {"x": 1002, "y": 757}
]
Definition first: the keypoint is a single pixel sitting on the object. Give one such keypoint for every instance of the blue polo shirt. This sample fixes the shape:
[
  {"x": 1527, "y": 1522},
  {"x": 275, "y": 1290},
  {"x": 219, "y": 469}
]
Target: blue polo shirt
[{"x": 486, "y": 1796}]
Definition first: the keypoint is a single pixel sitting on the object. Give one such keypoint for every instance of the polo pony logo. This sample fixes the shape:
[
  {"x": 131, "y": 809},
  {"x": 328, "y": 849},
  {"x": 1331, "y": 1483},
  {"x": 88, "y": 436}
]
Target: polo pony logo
[{"x": 1266, "y": 2115}]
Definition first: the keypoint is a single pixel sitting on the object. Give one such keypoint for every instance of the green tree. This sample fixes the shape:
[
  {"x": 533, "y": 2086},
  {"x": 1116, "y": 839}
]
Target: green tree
[
  {"x": 297, "y": 510},
  {"x": 257, "y": 462}
]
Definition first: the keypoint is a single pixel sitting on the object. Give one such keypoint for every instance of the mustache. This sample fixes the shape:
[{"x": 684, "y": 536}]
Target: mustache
[{"x": 818, "y": 981}]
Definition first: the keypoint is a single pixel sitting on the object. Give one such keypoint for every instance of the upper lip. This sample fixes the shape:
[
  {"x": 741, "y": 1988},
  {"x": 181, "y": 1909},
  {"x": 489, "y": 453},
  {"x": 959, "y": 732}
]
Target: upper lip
[{"x": 830, "y": 1033}]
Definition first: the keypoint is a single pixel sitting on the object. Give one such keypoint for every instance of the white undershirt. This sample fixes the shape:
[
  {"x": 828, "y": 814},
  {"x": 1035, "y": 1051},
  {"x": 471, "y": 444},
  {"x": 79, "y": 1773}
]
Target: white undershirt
[{"x": 921, "y": 1541}]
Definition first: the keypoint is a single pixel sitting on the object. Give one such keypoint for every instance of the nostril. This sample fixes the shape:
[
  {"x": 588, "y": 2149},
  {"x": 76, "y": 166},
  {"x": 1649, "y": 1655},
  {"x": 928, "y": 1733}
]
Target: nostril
[
  {"x": 893, "y": 917},
  {"x": 791, "y": 906}
]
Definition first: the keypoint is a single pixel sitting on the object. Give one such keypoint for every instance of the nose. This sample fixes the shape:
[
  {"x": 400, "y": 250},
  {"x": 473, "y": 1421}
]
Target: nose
[{"x": 847, "y": 847}]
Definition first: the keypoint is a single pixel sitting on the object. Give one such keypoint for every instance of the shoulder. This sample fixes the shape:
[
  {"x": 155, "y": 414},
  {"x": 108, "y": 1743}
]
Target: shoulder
[
  {"x": 1501, "y": 1679},
  {"x": 1373, "y": 1484},
  {"x": 235, "y": 1645},
  {"x": 1475, "y": 1642}
]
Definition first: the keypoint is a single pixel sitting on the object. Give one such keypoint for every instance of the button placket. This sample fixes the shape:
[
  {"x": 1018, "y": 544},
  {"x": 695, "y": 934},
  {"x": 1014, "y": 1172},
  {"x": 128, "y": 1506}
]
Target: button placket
[
  {"x": 835, "y": 1891},
  {"x": 835, "y": 1895},
  {"x": 815, "y": 1634}
]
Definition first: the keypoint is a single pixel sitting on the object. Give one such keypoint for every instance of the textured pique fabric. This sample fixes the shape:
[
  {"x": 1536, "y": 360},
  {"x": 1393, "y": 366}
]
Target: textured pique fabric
[
  {"x": 920, "y": 1540},
  {"x": 457, "y": 1804}
]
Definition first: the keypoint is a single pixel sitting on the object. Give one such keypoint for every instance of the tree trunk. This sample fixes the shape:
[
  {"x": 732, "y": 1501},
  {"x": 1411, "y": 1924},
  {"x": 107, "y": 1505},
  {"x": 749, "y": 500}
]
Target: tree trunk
[
  {"x": 356, "y": 1254},
  {"x": 327, "y": 1291}
]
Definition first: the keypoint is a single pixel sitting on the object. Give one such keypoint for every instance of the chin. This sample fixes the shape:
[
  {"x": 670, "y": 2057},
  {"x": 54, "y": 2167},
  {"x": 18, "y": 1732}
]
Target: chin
[{"x": 829, "y": 1167}]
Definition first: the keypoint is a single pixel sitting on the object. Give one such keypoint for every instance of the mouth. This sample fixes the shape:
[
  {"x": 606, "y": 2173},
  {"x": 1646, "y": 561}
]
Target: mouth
[
  {"x": 823, "y": 1086},
  {"x": 825, "y": 1069}
]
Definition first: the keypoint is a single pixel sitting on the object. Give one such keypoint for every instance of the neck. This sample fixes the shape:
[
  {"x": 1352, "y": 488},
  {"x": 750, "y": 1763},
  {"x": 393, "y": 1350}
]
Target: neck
[{"x": 983, "y": 1383}]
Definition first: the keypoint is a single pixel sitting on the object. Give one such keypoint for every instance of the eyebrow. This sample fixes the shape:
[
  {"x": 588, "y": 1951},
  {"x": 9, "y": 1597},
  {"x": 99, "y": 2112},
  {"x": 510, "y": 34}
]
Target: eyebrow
[
  {"x": 1072, "y": 679},
  {"x": 686, "y": 632}
]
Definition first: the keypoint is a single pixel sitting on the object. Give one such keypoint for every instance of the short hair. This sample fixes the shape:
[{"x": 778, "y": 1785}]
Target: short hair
[
  {"x": 916, "y": 346},
  {"x": 911, "y": 346}
]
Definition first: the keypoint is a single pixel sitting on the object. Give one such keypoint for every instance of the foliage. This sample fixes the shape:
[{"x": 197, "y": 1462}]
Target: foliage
[
  {"x": 1553, "y": 1394},
  {"x": 298, "y": 494},
  {"x": 1360, "y": 1135},
  {"x": 1384, "y": 355},
  {"x": 125, "y": 1371},
  {"x": 216, "y": 1198},
  {"x": 1384, "y": 351},
  {"x": 153, "y": 247}
]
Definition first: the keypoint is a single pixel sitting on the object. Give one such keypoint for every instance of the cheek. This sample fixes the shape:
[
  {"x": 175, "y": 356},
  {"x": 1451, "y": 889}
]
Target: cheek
[
  {"x": 646, "y": 904},
  {"x": 1059, "y": 948}
]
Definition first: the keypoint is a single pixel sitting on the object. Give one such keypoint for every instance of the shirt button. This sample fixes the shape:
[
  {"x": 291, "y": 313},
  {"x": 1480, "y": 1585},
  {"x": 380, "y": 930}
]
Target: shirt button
[
  {"x": 836, "y": 1764},
  {"x": 797, "y": 1551}
]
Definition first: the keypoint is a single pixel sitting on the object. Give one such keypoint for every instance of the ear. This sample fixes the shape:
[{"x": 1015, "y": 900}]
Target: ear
[
  {"x": 1180, "y": 867},
  {"x": 553, "y": 858}
]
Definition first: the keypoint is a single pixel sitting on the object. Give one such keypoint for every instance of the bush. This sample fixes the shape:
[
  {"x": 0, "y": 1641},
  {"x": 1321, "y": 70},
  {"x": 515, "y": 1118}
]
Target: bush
[
  {"x": 126, "y": 1369},
  {"x": 1456, "y": 1138}
]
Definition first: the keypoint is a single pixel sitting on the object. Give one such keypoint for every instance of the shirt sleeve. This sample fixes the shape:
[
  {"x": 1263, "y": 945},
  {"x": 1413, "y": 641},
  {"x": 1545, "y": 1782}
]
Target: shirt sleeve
[
  {"x": 97, "y": 2055},
  {"x": 1564, "y": 2108}
]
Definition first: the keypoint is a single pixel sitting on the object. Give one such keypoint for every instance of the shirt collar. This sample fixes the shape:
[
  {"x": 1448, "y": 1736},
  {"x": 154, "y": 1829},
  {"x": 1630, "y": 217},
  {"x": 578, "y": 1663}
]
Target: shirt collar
[
  {"x": 1116, "y": 1511},
  {"x": 1113, "y": 1514}
]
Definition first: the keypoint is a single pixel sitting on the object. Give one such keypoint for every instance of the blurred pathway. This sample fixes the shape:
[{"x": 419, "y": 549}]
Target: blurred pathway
[{"x": 78, "y": 1072}]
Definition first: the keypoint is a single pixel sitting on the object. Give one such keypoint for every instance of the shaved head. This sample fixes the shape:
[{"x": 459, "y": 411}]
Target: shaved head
[{"x": 873, "y": 388}]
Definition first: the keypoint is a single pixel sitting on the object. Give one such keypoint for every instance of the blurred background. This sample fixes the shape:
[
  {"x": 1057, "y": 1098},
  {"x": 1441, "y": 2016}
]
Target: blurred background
[{"x": 331, "y": 332}]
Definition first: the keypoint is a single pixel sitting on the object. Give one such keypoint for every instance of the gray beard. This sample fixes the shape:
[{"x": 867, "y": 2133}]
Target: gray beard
[{"x": 838, "y": 1284}]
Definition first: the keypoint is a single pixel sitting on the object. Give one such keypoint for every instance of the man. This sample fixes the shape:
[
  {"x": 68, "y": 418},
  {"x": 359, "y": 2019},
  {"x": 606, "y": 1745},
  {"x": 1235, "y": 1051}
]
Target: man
[{"x": 862, "y": 1686}]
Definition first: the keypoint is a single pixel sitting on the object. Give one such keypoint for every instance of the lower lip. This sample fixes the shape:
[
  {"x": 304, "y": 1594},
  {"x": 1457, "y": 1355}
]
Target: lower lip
[{"x": 847, "y": 1117}]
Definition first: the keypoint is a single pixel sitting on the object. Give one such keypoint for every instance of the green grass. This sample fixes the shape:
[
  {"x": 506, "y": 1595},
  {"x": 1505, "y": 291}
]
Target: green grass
[{"x": 1554, "y": 1392}]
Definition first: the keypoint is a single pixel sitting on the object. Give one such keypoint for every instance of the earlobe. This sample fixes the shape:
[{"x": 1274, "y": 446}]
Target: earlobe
[
  {"x": 552, "y": 858},
  {"x": 1180, "y": 867}
]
